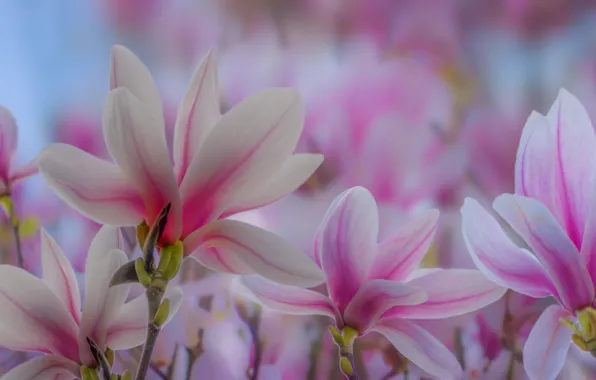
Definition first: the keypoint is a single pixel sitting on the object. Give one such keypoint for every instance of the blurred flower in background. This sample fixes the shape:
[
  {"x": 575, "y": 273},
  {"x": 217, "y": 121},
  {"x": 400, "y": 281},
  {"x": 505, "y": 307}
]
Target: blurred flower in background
[{"x": 420, "y": 101}]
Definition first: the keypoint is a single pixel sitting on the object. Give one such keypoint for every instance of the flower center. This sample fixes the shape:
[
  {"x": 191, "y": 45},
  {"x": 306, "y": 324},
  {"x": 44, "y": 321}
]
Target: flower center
[{"x": 584, "y": 330}]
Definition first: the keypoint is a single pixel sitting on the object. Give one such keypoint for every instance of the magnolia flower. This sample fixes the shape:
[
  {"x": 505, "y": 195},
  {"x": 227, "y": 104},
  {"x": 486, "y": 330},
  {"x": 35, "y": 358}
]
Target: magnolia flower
[
  {"x": 553, "y": 210},
  {"x": 8, "y": 145},
  {"x": 374, "y": 287},
  {"x": 223, "y": 164},
  {"x": 44, "y": 315}
]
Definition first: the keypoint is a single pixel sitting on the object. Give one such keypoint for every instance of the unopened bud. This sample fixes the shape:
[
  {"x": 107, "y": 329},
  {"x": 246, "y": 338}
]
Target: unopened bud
[
  {"x": 164, "y": 258},
  {"x": 114, "y": 377},
  {"x": 346, "y": 366},
  {"x": 350, "y": 334},
  {"x": 163, "y": 311},
  {"x": 336, "y": 334},
  {"x": 144, "y": 277},
  {"x": 126, "y": 375},
  {"x": 176, "y": 257},
  {"x": 88, "y": 373},
  {"x": 109, "y": 354},
  {"x": 142, "y": 232}
]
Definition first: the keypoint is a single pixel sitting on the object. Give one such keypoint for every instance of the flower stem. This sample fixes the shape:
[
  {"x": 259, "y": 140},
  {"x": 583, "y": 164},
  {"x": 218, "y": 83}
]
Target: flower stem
[
  {"x": 17, "y": 240},
  {"x": 344, "y": 339},
  {"x": 350, "y": 375},
  {"x": 14, "y": 225},
  {"x": 154, "y": 297}
]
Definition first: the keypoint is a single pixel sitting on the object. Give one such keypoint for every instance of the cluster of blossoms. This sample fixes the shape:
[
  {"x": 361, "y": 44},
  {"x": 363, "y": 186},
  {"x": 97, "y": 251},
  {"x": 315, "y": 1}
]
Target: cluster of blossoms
[
  {"x": 246, "y": 233},
  {"x": 243, "y": 159}
]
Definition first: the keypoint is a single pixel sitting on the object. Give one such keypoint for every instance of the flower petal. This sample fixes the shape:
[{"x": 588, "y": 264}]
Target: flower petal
[
  {"x": 289, "y": 177},
  {"x": 33, "y": 318},
  {"x": 102, "y": 302},
  {"x": 236, "y": 247},
  {"x": 59, "y": 275},
  {"x": 545, "y": 351},
  {"x": 45, "y": 367},
  {"x": 247, "y": 145},
  {"x": 138, "y": 144},
  {"x": 588, "y": 246},
  {"x": 420, "y": 347},
  {"x": 286, "y": 299},
  {"x": 534, "y": 164},
  {"x": 346, "y": 242},
  {"x": 574, "y": 161},
  {"x": 197, "y": 115},
  {"x": 24, "y": 171},
  {"x": 94, "y": 187},
  {"x": 129, "y": 328},
  {"x": 375, "y": 297},
  {"x": 8, "y": 142},
  {"x": 450, "y": 293},
  {"x": 498, "y": 258},
  {"x": 126, "y": 70},
  {"x": 561, "y": 260},
  {"x": 401, "y": 254}
]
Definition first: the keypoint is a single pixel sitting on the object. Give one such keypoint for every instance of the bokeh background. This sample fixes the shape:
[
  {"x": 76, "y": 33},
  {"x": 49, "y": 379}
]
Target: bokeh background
[{"x": 421, "y": 101}]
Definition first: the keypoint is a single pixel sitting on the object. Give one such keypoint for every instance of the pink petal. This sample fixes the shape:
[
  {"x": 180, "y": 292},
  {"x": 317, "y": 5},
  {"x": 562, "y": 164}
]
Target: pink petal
[
  {"x": 287, "y": 299},
  {"x": 24, "y": 171},
  {"x": 129, "y": 328},
  {"x": 375, "y": 297},
  {"x": 346, "y": 242},
  {"x": 534, "y": 164},
  {"x": 247, "y": 145},
  {"x": 8, "y": 142},
  {"x": 126, "y": 70},
  {"x": 545, "y": 351},
  {"x": 498, "y": 258},
  {"x": 59, "y": 275},
  {"x": 421, "y": 348},
  {"x": 197, "y": 115},
  {"x": 450, "y": 293},
  {"x": 575, "y": 153},
  {"x": 102, "y": 303},
  {"x": 561, "y": 260},
  {"x": 33, "y": 318},
  {"x": 44, "y": 368},
  {"x": 296, "y": 170},
  {"x": 588, "y": 246},
  {"x": 235, "y": 247},
  {"x": 95, "y": 188},
  {"x": 138, "y": 144},
  {"x": 400, "y": 254}
]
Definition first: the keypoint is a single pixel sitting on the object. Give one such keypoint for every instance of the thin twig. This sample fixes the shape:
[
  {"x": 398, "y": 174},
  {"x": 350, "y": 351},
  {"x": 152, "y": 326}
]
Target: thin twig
[
  {"x": 154, "y": 297},
  {"x": 15, "y": 227},
  {"x": 350, "y": 357},
  {"x": 253, "y": 326}
]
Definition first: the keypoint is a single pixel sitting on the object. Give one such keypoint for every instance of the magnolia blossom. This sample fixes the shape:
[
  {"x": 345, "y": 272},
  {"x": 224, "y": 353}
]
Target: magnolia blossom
[
  {"x": 375, "y": 287},
  {"x": 44, "y": 315},
  {"x": 223, "y": 164},
  {"x": 553, "y": 211},
  {"x": 8, "y": 145}
]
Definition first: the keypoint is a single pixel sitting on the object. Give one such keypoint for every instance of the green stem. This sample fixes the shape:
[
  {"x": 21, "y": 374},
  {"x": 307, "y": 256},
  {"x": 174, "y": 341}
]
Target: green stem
[{"x": 154, "y": 297}]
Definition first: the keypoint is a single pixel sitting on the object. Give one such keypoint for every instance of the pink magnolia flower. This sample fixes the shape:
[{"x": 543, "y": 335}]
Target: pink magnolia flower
[
  {"x": 44, "y": 315},
  {"x": 223, "y": 164},
  {"x": 9, "y": 176},
  {"x": 374, "y": 287},
  {"x": 552, "y": 210}
]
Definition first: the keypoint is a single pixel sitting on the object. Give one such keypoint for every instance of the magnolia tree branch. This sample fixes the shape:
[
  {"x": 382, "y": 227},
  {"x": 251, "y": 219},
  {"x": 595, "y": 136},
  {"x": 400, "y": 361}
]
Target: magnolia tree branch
[
  {"x": 156, "y": 282},
  {"x": 344, "y": 339},
  {"x": 14, "y": 226},
  {"x": 154, "y": 298}
]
